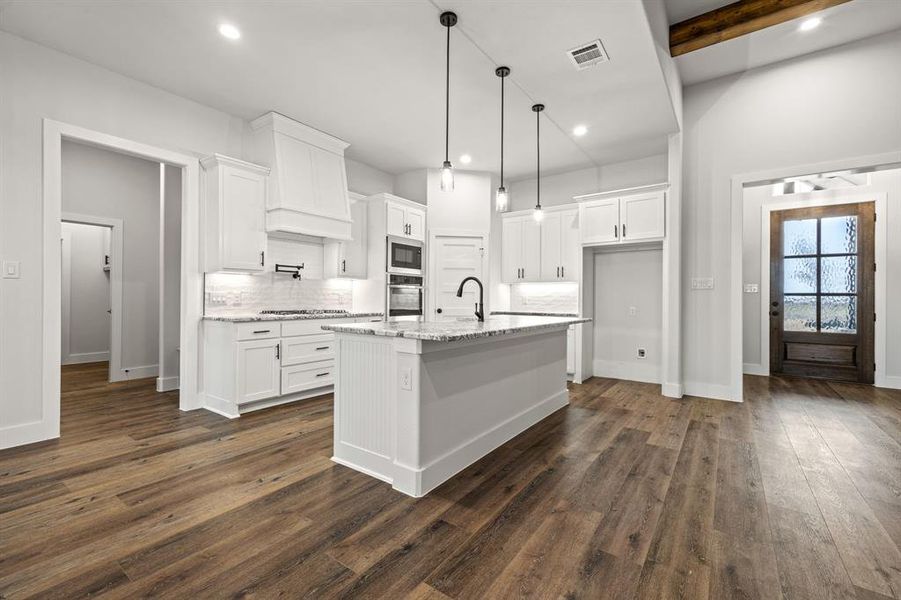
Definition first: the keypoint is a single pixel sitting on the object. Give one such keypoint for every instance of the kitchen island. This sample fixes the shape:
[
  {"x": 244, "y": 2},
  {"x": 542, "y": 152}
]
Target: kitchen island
[{"x": 417, "y": 402}]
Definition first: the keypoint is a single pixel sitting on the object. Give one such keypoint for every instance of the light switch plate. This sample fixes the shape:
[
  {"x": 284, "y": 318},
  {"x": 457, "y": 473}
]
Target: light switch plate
[
  {"x": 752, "y": 288},
  {"x": 702, "y": 283},
  {"x": 10, "y": 269},
  {"x": 633, "y": 311}
]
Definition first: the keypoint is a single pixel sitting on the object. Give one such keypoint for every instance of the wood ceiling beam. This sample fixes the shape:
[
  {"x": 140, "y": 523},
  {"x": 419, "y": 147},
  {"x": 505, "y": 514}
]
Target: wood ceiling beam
[{"x": 737, "y": 19}]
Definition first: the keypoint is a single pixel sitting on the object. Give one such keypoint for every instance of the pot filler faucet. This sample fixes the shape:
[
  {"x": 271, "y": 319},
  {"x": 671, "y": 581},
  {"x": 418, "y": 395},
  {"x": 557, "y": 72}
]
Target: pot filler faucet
[{"x": 480, "y": 313}]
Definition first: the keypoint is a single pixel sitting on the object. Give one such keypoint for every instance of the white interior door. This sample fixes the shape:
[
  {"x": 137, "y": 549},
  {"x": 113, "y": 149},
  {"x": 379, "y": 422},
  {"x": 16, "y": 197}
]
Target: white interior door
[{"x": 454, "y": 259}]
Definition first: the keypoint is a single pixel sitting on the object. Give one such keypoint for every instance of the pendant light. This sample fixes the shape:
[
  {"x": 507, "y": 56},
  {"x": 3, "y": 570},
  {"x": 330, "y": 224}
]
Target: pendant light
[
  {"x": 448, "y": 19},
  {"x": 501, "y": 203},
  {"x": 538, "y": 214}
]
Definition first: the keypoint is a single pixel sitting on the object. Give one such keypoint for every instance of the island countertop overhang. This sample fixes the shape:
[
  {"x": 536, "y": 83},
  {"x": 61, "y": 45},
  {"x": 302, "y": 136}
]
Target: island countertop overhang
[{"x": 453, "y": 331}]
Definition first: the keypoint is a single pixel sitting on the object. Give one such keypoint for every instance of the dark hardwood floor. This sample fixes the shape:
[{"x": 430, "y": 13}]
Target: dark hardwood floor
[{"x": 795, "y": 493}]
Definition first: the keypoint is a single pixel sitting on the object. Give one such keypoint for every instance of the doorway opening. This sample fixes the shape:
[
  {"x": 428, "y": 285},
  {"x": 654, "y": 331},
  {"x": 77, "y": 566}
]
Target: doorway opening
[{"x": 815, "y": 297}]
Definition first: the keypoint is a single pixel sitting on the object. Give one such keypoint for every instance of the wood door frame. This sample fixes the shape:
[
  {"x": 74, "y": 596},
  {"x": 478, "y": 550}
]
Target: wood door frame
[
  {"x": 863, "y": 337},
  {"x": 117, "y": 251},
  {"x": 829, "y": 198},
  {"x": 432, "y": 237}
]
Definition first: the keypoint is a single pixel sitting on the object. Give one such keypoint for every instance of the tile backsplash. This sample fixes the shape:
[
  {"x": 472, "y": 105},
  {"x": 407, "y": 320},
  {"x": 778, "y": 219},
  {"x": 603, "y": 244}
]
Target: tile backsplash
[
  {"x": 545, "y": 297},
  {"x": 231, "y": 293}
]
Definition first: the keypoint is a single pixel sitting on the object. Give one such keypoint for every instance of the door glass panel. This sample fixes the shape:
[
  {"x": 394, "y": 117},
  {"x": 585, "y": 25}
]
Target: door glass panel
[
  {"x": 800, "y": 276},
  {"x": 838, "y": 314},
  {"x": 838, "y": 275},
  {"x": 800, "y": 237},
  {"x": 838, "y": 235},
  {"x": 800, "y": 313}
]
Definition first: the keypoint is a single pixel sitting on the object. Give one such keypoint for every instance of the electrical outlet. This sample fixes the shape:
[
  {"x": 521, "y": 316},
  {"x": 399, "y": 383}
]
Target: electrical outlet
[
  {"x": 702, "y": 283},
  {"x": 406, "y": 379},
  {"x": 10, "y": 269},
  {"x": 633, "y": 311},
  {"x": 642, "y": 353}
]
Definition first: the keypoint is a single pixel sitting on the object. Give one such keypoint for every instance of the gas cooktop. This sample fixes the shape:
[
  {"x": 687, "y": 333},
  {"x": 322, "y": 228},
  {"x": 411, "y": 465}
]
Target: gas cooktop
[{"x": 304, "y": 311}]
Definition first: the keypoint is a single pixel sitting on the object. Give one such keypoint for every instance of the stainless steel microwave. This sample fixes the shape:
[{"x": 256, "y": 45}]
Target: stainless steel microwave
[{"x": 404, "y": 256}]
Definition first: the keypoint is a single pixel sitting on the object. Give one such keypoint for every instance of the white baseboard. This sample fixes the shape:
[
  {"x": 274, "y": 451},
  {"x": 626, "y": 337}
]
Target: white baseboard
[
  {"x": 672, "y": 390},
  {"x": 709, "y": 390},
  {"x": 418, "y": 482},
  {"x": 219, "y": 406},
  {"x": 889, "y": 381},
  {"x": 166, "y": 384},
  {"x": 85, "y": 357},
  {"x": 142, "y": 372},
  {"x": 28, "y": 433},
  {"x": 756, "y": 369},
  {"x": 630, "y": 371}
]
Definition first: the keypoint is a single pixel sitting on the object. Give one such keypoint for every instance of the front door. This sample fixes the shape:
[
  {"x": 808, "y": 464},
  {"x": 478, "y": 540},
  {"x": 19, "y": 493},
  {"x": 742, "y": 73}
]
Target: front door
[
  {"x": 821, "y": 291},
  {"x": 455, "y": 258}
]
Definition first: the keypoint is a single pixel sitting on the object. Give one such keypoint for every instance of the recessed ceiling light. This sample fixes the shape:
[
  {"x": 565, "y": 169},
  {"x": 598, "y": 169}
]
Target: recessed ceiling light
[
  {"x": 580, "y": 130},
  {"x": 465, "y": 159},
  {"x": 229, "y": 31},
  {"x": 809, "y": 24}
]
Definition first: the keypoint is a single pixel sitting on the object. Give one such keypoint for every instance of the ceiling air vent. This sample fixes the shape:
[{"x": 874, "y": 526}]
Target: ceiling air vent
[{"x": 588, "y": 55}]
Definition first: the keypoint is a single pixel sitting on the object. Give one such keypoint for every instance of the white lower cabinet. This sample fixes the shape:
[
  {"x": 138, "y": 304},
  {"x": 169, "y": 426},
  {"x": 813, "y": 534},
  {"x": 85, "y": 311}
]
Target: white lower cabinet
[
  {"x": 258, "y": 370},
  {"x": 251, "y": 365},
  {"x": 571, "y": 349}
]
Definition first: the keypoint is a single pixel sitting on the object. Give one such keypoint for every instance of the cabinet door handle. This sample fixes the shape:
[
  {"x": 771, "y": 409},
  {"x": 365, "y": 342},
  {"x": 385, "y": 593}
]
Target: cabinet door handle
[
  {"x": 558, "y": 272},
  {"x": 278, "y": 351},
  {"x": 562, "y": 271},
  {"x": 262, "y": 258},
  {"x": 262, "y": 331},
  {"x": 321, "y": 374},
  {"x": 323, "y": 347},
  {"x": 343, "y": 265},
  {"x": 616, "y": 231},
  {"x": 624, "y": 231}
]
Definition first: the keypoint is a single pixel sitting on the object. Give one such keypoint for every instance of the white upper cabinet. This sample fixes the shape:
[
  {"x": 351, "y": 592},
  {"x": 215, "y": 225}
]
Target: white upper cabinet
[
  {"x": 234, "y": 214},
  {"x": 521, "y": 250},
  {"x": 600, "y": 221},
  {"x": 308, "y": 191},
  {"x": 560, "y": 246},
  {"x": 403, "y": 220},
  {"x": 626, "y": 218},
  {"x": 348, "y": 258},
  {"x": 642, "y": 216}
]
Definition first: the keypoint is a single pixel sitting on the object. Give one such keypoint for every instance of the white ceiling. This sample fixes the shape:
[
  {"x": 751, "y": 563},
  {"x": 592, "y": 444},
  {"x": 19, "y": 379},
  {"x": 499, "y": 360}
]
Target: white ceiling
[
  {"x": 372, "y": 73},
  {"x": 841, "y": 24}
]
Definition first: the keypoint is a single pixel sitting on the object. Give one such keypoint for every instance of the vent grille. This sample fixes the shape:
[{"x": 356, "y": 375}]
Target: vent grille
[{"x": 588, "y": 55}]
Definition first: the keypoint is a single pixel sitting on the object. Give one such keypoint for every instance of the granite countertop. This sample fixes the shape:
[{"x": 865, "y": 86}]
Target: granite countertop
[
  {"x": 532, "y": 313},
  {"x": 453, "y": 331},
  {"x": 253, "y": 317}
]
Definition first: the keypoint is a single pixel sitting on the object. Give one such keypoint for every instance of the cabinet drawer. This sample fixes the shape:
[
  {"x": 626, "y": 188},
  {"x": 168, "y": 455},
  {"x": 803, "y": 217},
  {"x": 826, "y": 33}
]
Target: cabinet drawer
[
  {"x": 258, "y": 330},
  {"x": 308, "y": 348},
  {"x": 299, "y": 378},
  {"x": 310, "y": 326}
]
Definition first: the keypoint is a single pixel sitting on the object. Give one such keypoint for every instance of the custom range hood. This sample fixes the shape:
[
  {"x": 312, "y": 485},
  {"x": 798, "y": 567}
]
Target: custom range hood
[{"x": 308, "y": 182}]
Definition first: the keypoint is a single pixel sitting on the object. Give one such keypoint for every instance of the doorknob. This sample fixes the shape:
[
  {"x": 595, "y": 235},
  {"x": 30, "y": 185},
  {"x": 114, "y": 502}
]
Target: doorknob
[
  {"x": 439, "y": 311},
  {"x": 775, "y": 303}
]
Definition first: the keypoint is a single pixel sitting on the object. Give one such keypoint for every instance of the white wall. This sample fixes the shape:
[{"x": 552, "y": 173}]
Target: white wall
[
  {"x": 38, "y": 83},
  {"x": 828, "y": 106},
  {"x": 624, "y": 280},
  {"x": 413, "y": 185},
  {"x": 754, "y": 271},
  {"x": 467, "y": 208},
  {"x": 560, "y": 188},
  {"x": 101, "y": 183},
  {"x": 170, "y": 294},
  {"x": 366, "y": 180},
  {"x": 85, "y": 295}
]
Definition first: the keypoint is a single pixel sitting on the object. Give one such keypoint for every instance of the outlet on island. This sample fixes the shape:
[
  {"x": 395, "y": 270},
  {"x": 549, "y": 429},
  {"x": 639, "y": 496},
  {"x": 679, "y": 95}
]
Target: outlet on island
[{"x": 642, "y": 353}]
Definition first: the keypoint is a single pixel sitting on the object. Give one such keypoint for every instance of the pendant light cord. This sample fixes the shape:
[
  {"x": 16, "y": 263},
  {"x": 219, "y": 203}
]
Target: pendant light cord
[
  {"x": 447, "y": 100},
  {"x": 502, "y": 131},
  {"x": 538, "y": 158}
]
